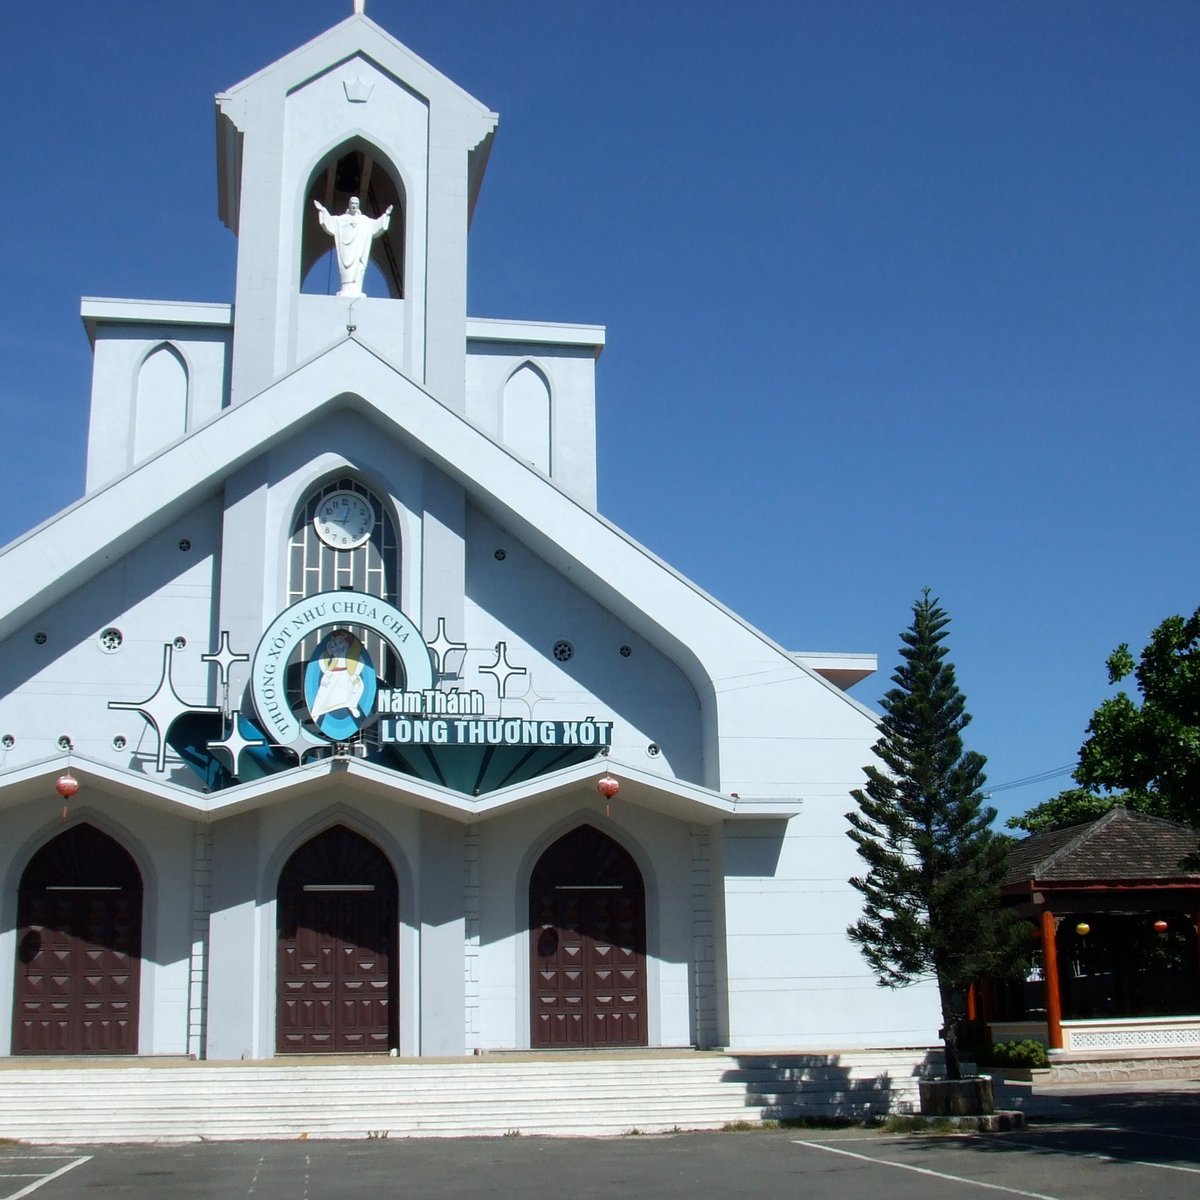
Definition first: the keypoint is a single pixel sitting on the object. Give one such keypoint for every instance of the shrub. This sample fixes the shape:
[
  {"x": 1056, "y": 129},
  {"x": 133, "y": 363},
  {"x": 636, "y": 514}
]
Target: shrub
[{"x": 1028, "y": 1053}]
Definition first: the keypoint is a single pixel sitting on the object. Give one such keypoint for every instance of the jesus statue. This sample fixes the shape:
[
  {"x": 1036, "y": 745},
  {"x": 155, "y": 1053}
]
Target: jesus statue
[{"x": 352, "y": 233}]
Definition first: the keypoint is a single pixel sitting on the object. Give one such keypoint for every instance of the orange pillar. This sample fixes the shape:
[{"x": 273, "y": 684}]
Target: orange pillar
[
  {"x": 1050, "y": 971},
  {"x": 987, "y": 1004}
]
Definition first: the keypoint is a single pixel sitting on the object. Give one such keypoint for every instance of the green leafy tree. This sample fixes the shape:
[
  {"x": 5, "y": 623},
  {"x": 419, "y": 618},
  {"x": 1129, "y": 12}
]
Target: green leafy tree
[
  {"x": 1145, "y": 756},
  {"x": 934, "y": 865},
  {"x": 1069, "y": 807},
  {"x": 1151, "y": 751}
]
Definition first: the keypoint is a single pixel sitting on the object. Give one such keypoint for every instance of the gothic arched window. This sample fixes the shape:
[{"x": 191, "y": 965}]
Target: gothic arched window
[
  {"x": 331, "y": 553},
  {"x": 371, "y": 565}
]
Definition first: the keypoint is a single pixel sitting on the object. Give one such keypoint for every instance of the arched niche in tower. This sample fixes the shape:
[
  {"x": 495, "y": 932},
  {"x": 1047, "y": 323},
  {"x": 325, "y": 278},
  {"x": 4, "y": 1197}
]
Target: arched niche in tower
[
  {"x": 525, "y": 415},
  {"x": 355, "y": 168},
  {"x": 160, "y": 401}
]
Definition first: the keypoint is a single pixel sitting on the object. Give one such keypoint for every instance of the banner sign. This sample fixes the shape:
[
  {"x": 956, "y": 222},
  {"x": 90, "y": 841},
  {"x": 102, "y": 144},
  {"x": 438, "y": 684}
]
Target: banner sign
[
  {"x": 342, "y": 693},
  {"x": 407, "y": 731},
  {"x": 339, "y": 678},
  {"x": 431, "y": 703}
]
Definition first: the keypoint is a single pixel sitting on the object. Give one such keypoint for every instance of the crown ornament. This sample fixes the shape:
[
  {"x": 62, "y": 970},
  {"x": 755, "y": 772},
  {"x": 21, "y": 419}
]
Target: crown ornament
[{"x": 358, "y": 89}]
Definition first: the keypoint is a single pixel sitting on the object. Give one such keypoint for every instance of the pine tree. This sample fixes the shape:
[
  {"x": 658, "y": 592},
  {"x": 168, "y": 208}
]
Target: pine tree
[{"x": 932, "y": 888}]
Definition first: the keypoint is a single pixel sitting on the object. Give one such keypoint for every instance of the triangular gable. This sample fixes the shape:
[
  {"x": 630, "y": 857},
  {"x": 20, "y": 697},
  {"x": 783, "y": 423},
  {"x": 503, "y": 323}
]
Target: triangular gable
[
  {"x": 356, "y": 35},
  {"x": 717, "y": 650}
]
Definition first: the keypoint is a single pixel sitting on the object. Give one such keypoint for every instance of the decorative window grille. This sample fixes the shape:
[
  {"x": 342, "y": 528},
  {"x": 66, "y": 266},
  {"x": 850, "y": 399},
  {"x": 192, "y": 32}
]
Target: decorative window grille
[{"x": 372, "y": 569}]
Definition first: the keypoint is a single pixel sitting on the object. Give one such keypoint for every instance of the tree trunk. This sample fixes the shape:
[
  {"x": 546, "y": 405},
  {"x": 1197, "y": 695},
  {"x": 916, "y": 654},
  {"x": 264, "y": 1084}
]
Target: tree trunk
[{"x": 950, "y": 1019}]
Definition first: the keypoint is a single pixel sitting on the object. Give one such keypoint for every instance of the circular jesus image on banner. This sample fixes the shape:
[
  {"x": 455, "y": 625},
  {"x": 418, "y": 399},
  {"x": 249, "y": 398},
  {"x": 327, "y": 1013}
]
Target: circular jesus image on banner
[{"x": 339, "y": 686}]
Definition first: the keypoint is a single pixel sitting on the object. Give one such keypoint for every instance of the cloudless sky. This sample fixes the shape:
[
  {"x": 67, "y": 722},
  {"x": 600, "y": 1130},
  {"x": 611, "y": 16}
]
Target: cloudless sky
[{"x": 897, "y": 294}]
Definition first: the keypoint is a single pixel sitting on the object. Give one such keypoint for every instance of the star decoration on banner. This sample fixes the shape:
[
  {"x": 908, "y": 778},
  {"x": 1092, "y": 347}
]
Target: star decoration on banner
[
  {"x": 503, "y": 670},
  {"x": 442, "y": 645},
  {"x": 532, "y": 698},
  {"x": 301, "y": 746},
  {"x": 162, "y": 708},
  {"x": 224, "y": 658},
  {"x": 235, "y": 743}
]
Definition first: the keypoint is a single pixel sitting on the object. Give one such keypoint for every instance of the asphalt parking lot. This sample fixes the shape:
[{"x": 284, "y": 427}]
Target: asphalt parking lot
[{"x": 1094, "y": 1144}]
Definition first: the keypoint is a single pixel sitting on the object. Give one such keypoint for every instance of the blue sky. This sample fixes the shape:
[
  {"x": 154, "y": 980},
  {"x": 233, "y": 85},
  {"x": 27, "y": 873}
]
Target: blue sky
[{"x": 897, "y": 294}]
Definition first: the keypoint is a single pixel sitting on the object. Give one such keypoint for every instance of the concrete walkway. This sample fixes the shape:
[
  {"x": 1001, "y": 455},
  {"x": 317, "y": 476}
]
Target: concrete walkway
[{"x": 1091, "y": 1100}]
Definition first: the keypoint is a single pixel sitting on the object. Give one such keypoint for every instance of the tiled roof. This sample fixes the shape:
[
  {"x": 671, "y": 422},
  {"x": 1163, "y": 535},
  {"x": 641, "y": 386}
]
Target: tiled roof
[{"x": 1120, "y": 845}]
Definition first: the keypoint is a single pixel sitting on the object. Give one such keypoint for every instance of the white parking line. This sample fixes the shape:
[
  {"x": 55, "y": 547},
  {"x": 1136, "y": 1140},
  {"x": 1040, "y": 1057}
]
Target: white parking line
[
  {"x": 882, "y": 1162},
  {"x": 1140, "y": 1163},
  {"x": 33, "y": 1187},
  {"x": 1114, "y": 1158}
]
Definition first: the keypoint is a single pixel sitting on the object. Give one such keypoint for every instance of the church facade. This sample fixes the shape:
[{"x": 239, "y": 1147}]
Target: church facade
[{"x": 335, "y": 718}]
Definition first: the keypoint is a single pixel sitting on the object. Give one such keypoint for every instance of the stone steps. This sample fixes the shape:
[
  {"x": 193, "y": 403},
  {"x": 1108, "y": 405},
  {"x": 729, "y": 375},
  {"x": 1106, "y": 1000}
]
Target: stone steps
[{"x": 554, "y": 1095}]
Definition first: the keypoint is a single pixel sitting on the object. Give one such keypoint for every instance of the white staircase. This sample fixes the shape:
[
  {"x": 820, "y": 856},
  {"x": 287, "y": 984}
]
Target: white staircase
[{"x": 489, "y": 1097}]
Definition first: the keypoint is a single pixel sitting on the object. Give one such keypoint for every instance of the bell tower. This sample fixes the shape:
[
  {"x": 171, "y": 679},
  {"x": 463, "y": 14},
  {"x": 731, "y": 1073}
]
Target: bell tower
[{"x": 348, "y": 171}]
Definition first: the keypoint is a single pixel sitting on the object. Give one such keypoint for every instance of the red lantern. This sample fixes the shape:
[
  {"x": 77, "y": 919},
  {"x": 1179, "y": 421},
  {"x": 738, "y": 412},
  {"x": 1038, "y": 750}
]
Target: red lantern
[
  {"x": 1160, "y": 926},
  {"x": 66, "y": 785},
  {"x": 607, "y": 786}
]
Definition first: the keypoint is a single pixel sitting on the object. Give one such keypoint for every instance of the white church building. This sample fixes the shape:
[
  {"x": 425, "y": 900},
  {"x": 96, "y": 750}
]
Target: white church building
[{"x": 334, "y": 716}]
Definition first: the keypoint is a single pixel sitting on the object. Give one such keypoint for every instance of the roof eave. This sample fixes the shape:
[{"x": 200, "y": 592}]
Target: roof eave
[{"x": 670, "y": 797}]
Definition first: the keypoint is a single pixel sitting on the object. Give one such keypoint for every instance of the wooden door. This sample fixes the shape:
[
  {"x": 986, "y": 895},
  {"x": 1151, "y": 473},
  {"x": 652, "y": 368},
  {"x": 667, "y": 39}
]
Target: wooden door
[
  {"x": 587, "y": 923},
  {"x": 79, "y": 917},
  {"x": 337, "y": 924}
]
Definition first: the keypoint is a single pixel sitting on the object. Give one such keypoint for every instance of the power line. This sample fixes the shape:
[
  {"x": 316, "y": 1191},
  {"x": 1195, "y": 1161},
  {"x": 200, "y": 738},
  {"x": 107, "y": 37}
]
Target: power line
[{"x": 1041, "y": 777}]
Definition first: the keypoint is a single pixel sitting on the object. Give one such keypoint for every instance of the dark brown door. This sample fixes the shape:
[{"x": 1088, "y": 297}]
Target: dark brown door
[
  {"x": 79, "y": 917},
  {"x": 587, "y": 925},
  {"x": 337, "y": 948}
]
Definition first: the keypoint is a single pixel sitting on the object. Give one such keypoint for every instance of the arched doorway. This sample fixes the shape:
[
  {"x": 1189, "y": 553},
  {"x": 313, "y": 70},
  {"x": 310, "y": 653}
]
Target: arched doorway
[
  {"x": 587, "y": 929},
  {"x": 337, "y": 923},
  {"x": 79, "y": 945}
]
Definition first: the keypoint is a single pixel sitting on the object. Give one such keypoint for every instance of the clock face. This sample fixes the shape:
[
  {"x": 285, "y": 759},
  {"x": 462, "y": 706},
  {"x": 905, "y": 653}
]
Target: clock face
[{"x": 344, "y": 520}]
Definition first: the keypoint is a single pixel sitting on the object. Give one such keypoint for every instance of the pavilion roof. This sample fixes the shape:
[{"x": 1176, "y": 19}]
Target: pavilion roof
[{"x": 1120, "y": 846}]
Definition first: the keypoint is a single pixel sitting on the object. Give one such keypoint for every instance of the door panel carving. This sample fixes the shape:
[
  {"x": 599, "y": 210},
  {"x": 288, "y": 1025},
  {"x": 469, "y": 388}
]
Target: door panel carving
[
  {"x": 79, "y": 915},
  {"x": 587, "y": 923},
  {"x": 337, "y": 962}
]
